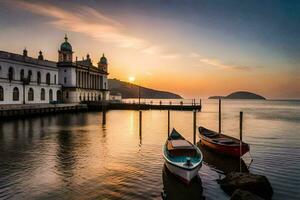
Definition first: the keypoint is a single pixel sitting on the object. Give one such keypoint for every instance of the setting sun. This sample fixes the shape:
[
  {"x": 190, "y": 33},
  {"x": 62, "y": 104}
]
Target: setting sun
[{"x": 131, "y": 79}]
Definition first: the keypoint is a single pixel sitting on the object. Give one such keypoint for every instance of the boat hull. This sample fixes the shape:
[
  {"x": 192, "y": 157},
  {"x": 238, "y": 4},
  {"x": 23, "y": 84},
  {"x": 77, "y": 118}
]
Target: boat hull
[
  {"x": 233, "y": 151},
  {"x": 186, "y": 175}
]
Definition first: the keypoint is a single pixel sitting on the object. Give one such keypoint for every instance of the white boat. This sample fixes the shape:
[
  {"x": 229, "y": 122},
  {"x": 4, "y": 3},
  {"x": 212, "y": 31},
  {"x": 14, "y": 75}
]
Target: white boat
[{"x": 182, "y": 157}]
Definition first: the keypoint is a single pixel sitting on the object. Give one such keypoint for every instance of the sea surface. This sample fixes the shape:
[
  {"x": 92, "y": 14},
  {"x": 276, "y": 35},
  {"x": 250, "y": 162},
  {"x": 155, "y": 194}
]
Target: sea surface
[{"x": 74, "y": 156}]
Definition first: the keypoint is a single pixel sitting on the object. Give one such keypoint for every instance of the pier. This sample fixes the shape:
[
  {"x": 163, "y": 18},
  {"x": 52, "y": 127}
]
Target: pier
[
  {"x": 14, "y": 111},
  {"x": 144, "y": 106}
]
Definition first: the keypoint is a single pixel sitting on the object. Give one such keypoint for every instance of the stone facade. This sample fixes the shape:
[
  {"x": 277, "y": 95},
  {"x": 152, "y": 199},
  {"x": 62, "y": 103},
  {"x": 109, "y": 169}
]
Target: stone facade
[
  {"x": 81, "y": 80},
  {"x": 27, "y": 80}
]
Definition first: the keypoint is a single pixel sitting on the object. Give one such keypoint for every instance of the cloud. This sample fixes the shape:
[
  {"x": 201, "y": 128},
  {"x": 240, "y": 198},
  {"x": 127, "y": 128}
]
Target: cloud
[
  {"x": 217, "y": 63},
  {"x": 222, "y": 65},
  {"x": 91, "y": 22},
  {"x": 86, "y": 20},
  {"x": 171, "y": 56},
  {"x": 194, "y": 55},
  {"x": 152, "y": 50}
]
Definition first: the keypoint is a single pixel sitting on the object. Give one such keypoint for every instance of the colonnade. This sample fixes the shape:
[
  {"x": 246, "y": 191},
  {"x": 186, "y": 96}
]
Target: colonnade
[{"x": 89, "y": 80}]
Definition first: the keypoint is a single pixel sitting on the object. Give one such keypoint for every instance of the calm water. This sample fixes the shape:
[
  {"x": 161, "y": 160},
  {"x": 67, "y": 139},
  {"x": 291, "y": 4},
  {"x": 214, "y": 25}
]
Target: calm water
[{"x": 72, "y": 156}]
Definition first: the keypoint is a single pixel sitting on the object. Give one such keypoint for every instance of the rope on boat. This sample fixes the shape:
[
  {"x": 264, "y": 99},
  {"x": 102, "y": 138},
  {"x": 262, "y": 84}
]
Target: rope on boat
[{"x": 250, "y": 161}]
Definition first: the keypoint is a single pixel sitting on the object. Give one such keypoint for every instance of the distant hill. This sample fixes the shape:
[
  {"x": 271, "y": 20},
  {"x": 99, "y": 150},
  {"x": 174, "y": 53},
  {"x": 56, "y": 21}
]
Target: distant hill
[
  {"x": 239, "y": 95},
  {"x": 129, "y": 90}
]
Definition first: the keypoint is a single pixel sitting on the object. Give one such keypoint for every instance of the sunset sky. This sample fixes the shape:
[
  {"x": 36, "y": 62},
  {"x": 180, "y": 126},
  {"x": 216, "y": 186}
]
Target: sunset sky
[{"x": 195, "y": 48}]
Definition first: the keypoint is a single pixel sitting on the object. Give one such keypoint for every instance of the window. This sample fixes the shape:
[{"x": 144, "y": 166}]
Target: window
[
  {"x": 50, "y": 95},
  {"x": 22, "y": 75},
  {"x": 11, "y": 73},
  {"x": 54, "y": 79},
  {"x": 1, "y": 93},
  {"x": 38, "y": 79},
  {"x": 58, "y": 95},
  {"x": 65, "y": 80},
  {"x": 16, "y": 94},
  {"x": 80, "y": 97},
  {"x": 30, "y": 94},
  {"x": 101, "y": 82},
  {"x": 48, "y": 78},
  {"x": 67, "y": 95},
  {"x": 42, "y": 94},
  {"x": 29, "y": 75}
]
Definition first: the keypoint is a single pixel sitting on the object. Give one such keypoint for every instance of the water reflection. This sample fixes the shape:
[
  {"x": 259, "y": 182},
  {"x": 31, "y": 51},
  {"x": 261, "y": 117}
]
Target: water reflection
[
  {"x": 222, "y": 164},
  {"x": 72, "y": 156},
  {"x": 174, "y": 189},
  {"x": 66, "y": 158}
]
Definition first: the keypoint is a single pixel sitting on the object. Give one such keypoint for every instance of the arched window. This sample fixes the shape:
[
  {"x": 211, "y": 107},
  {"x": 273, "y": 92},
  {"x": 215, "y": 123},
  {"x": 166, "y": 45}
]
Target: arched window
[
  {"x": 99, "y": 97},
  {"x": 16, "y": 94},
  {"x": 1, "y": 93},
  {"x": 30, "y": 94},
  {"x": 80, "y": 97},
  {"x": 50, "y": 95},
  {"x": 29, "y": 75},
  {"x": 11, "y": 73},
  {"x": 22, "y": 75},
  {"x": 48, "y": 78},
  {"x": 38, "y": 78},
  {"x": 58, "y": 95},
  {"x": 42, "y": 94}
]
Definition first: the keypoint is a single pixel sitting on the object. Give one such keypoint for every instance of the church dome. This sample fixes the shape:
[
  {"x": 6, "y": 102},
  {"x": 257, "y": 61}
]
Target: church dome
[
  {"x": 103, "y": 59},
  {"x": 66, "y": 46}
]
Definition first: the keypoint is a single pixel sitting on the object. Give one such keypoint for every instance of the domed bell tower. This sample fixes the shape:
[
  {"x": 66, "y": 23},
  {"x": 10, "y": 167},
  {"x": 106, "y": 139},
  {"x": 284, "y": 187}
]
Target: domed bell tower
[
  {"x": 102, "y": 64},
  {"x": 65, "y": 54}
]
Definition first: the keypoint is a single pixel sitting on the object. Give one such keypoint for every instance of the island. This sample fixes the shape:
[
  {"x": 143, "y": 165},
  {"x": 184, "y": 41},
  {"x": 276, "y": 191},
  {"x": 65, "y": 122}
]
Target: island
[
  {"x": 239, "y": 95},
  {"x": 129, "y": 90}
]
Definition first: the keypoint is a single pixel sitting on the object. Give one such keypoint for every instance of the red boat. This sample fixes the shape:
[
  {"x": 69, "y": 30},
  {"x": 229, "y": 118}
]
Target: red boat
[{"x": 222, "y": 144}]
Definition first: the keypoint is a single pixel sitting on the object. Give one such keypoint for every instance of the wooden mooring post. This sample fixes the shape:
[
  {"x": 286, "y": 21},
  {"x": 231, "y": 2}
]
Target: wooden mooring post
[
  {"x": 168, "y": 123},
  {"x": 194, "y": 125},
  {"x": 241, "y": 139},
  {"x": 220, "y": 125},
  {"x": 140, "y": 123},
  {"x": 103, "y": 114}
]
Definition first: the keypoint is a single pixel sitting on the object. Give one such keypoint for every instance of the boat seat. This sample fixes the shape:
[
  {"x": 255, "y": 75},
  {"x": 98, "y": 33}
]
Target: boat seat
[
  {"x": 211, "y": 134},
  {"x": 183, "y": 152},
  {"x": 224, "y": 141}
]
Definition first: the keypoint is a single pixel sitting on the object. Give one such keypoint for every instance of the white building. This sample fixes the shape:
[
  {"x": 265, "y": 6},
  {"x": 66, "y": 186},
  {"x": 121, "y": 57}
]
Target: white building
[
  {"x": 27, "y": 80},
  {"x": 115, "y": 96},
  {"x": 81, "y": 80}
]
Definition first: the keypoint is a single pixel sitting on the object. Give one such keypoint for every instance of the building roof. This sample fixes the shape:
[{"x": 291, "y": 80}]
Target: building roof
[
  {"x": 66, "y": 46},
  {"x": 26, "y": 59},
  {"x": 103, "y": 60},
  {"x": 88, "y": 64}
]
